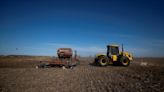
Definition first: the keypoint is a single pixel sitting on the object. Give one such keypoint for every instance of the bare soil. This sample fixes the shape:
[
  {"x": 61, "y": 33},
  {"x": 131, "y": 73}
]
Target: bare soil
[{"x": 20, "y": 75}]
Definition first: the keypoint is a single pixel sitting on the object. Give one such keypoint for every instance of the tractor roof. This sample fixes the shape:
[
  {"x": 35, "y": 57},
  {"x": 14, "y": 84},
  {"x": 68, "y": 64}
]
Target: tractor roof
[
  {"x": 114, "y": 45},
  {"x": 65, "y": 49}
]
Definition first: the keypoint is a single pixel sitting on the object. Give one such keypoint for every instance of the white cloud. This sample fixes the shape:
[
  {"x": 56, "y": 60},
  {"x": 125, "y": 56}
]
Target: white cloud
[
  {"x": 144, "y": 51},
  {"x": 137, "y": 51},
  {"x": 90, "y": 50},
  {"x": 152, "y": 48},
  {"x": 158, "y": 43}
]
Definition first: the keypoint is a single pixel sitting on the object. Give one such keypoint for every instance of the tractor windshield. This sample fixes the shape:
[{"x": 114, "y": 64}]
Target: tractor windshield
[{"x": 114, "y": 50}]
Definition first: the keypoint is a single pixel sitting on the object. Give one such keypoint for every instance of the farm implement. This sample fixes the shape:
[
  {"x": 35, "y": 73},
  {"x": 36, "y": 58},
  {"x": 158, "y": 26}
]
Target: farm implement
[{"x": 65, "y": 59}]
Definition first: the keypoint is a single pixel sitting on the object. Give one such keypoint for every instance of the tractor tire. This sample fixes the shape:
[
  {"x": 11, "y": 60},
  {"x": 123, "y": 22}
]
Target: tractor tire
[
  {"x": 103, "y": 61},
  {"x": 124, "y": 61}
]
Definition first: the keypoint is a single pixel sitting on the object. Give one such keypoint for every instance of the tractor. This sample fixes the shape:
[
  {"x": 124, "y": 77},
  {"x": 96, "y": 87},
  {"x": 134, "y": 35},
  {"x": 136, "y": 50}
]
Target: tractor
[{"x": 113, "y": 56}]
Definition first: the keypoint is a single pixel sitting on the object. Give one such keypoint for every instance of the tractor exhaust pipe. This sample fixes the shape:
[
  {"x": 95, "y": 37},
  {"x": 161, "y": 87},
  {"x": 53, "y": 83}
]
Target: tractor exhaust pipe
[{"x": 122, "y": 49}]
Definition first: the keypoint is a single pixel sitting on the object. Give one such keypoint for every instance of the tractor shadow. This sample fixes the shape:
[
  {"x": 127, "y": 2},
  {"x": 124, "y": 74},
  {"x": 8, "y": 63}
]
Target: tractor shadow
[{"x": 111, "y": 65}]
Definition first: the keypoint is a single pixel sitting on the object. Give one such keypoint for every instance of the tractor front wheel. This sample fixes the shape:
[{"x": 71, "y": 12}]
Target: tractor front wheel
[{"x": 124, "y": 61}]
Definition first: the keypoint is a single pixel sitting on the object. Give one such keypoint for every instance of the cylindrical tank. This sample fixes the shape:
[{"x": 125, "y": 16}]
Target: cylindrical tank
[{"x": 64, "y": 52}]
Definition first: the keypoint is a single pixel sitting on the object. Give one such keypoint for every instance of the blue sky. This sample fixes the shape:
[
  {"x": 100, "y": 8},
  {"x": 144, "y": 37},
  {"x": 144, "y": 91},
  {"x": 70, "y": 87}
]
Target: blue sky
[{"x": 39, "y": 27}]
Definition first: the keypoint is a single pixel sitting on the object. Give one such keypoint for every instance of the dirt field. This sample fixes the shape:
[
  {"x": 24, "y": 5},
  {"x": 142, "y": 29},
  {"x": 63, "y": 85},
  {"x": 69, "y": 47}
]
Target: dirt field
[{"x": 20, "y": 75}]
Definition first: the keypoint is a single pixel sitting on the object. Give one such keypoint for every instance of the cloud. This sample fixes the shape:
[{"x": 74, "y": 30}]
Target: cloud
[
  {"x": 158, "y": 43},
  {"x": 89, "y": 50},
  {"x": 153, "y": 48},
  {"x": 137, "y": 51},
  {"x": 147, "y": 51}
]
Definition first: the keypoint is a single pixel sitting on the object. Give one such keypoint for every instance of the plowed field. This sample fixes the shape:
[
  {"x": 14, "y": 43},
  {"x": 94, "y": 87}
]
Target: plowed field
[{"x": 143, "y": 75}]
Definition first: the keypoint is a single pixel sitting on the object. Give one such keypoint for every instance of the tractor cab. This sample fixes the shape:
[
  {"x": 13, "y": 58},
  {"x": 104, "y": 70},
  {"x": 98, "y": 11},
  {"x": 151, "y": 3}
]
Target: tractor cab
[{"x": 113, "y": 52}]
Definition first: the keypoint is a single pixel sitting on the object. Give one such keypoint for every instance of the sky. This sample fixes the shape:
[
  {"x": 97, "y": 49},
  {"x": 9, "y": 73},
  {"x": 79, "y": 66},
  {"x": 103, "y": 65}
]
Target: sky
[{"x": 40, "y": 27}]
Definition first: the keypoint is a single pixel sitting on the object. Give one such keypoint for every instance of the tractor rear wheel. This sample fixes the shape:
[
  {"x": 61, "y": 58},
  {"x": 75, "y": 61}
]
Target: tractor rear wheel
[
  {"x": 124, "y": 61},
  {"x": 103, "y": 61}
]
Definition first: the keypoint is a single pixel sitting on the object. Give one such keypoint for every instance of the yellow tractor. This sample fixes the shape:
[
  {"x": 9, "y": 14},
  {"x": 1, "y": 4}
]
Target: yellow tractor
[{"x": 114, "y": 56}]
